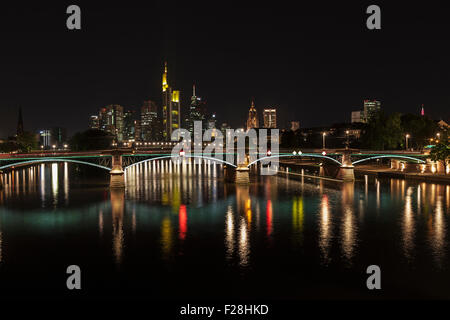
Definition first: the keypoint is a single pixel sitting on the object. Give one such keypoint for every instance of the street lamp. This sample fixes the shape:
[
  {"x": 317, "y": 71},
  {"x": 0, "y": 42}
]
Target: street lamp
[
  {"x": 347, "y": 142},
  {"x": 407, "y": 137},
  {"x": 323, "y": 140}
]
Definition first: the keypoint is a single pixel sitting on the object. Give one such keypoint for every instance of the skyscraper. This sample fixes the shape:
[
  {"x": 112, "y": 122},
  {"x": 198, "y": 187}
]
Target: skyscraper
[
  {"x": 94, "y": 122},
  {"x": 252, "y": 121},
  {"x": 175, "y": 112},
  {"x": 371, "y": 107},
  {"x": 111, "y": 120},
  {"x": 137, "y": 130},
  {"x": 171, "y": 107},
  {"x": 197, "y": 111},
  {"x": 128, "y": 125},
  {"x": 149, "y": 117},
  {"x": 270, "y": 118}
]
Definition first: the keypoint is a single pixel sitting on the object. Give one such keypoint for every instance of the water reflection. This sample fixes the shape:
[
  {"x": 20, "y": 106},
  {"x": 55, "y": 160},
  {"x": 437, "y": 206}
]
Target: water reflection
[
  {"x": 182, "y": 206},
  {"x": 229, "y": 233},
  {"x": 325, "y": 229},
  {"x": 408, "y": 227},
  {"x": 117, "y": 211},
  {"x": 438, "y": 233},
  {"x": 244, "y": 247},
  {"x": 349, "y": 227},
  {"x": 298, "y": 217}
]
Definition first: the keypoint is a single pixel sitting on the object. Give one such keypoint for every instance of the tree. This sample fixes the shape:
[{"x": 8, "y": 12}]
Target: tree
[
  {"x": 91, "y": 140},
  {"x": 421, "y": 128},
  {"x": 26, "y": 142},
  {"x": 383, "y": 132},
  {"x": 441, "y": 152}
]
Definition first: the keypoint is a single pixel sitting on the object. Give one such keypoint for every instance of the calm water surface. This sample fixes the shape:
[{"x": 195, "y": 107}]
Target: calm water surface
[{"x": 180, "y": 231}]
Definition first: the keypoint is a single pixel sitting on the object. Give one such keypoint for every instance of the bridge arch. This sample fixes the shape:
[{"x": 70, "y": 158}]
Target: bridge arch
[
  {"x": 40, "y": 161},
  {"x": 312, "y": 155},
  {"x": 388, "y": 156},
  {"x": 185, "y": 156}
]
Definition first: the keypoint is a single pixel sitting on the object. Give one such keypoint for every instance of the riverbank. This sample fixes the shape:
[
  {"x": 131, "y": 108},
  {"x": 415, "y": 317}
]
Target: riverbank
[{"x": 387, "y": 172}]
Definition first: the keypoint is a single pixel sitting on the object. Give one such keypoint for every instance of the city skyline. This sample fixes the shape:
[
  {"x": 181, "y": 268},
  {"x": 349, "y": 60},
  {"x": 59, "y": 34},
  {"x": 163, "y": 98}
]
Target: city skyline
[{"x": 231, "y": 61}]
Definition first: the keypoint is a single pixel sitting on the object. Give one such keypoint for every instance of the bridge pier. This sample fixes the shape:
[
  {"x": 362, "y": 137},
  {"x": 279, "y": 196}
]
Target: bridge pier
[
  {"x": 346, "y": 171},
  {"x": 242, "y": 174},
  {"x": 117, "y": 175}
]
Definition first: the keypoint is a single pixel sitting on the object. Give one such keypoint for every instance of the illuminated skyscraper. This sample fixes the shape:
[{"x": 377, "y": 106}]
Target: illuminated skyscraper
[
  {"x": 252, "y": 121},
  {"x": 94, "y": 122},
  {"x": 128, "y": 125},
  {"x": 171, "y": 109},
  {"x": 111, "y": 120},
  {"x": 149, "y": 117},
  {"x": 197, "y": 112},
  {"x": 270, "y": 118},
  {"x": 371, "y": 107}
]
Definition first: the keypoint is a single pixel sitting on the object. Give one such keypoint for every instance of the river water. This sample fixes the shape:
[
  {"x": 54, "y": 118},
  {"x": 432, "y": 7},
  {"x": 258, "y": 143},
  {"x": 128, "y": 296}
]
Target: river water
[{"x": 180, "y": 231}]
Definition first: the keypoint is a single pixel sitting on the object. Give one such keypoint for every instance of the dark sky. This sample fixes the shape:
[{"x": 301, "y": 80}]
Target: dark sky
[{"x": 314, "y": 63}]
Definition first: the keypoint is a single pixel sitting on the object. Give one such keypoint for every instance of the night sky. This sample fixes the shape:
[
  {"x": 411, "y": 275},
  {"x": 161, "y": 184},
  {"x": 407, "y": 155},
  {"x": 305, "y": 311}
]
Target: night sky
[{"x": 314, "y": 63}]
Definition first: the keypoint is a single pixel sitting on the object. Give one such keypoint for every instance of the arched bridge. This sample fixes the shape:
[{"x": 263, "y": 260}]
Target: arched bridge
[{"x": 118, "y": 160}]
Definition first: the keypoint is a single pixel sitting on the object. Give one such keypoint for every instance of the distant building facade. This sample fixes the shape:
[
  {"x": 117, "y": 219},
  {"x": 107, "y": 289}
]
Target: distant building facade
[
  {"x": 94, "y": 122},
  {"x": 111, "y": 120},
  {"x": 371, "y": 107},
  {"x": 270, "y": 118},
  {"x": 55, "y": 137},
  {"x": 358, "y": 116},
  {"x": 295, "y": 125},
  {"x": 128, "y": 125},
  {"x": 196, "y": 112},
  {"x": 252, "y": 120},
  {"x": 149, "y": 118}
]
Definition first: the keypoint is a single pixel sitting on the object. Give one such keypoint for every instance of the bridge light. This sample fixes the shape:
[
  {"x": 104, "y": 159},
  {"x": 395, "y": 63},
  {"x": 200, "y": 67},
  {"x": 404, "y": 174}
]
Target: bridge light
[
  {"x": 324, "y": 153},
  {"x": 65, "y": 146},
  {"x": 269, "y": 153},
  {"x": 294, "y": 153},
  {"x": 299, "y": 153}
]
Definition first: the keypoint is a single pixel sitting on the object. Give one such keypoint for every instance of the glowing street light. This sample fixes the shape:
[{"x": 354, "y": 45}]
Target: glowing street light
[
  {"x": 323, "y": 140},
  {"x": 407, "y": 138},
  {"x": 269, "y": 153},
  {"x": 324, "y": 153},
  {"x": 294, "y": 153}
]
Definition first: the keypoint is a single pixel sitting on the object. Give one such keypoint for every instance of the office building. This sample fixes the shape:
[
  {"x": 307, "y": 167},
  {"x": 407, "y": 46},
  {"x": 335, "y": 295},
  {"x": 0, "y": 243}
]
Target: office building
[
  {"x": 171, "y": 107},
  {"x": 270, "y": 118},
  {"x": 149, "y": 118}
]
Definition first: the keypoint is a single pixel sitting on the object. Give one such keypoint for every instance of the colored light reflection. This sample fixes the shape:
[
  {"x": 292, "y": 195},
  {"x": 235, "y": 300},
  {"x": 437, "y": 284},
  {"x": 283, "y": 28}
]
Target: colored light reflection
[
  {"x": 182, "y": 217},
  {"x": 269, "y": 217}
]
